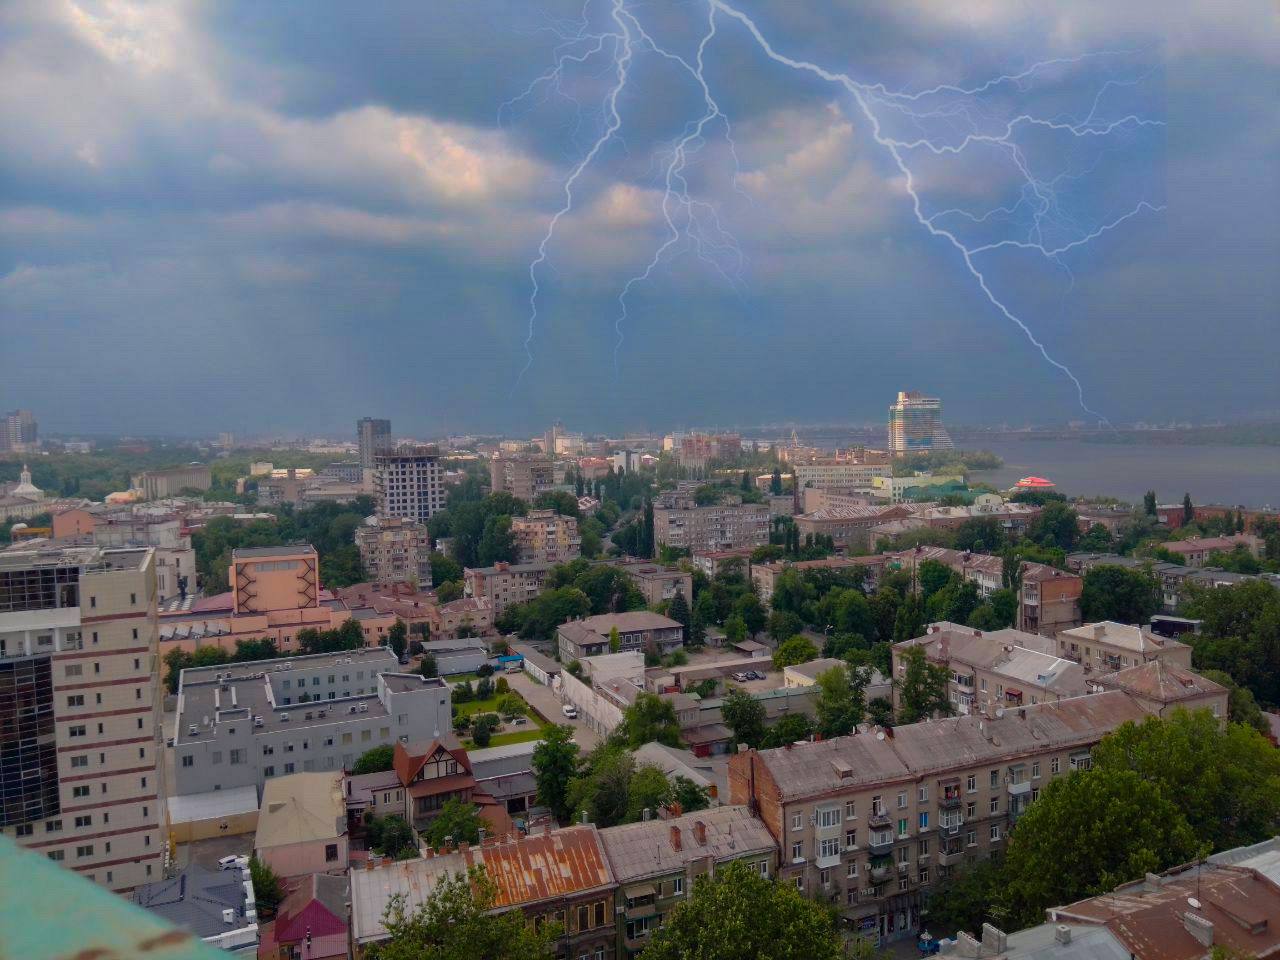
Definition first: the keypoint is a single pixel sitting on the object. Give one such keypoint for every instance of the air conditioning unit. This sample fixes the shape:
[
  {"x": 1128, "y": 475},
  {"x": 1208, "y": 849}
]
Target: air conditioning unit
[
  {"x": 284, "y": 717},
  {"x": 364, "y": 708}
]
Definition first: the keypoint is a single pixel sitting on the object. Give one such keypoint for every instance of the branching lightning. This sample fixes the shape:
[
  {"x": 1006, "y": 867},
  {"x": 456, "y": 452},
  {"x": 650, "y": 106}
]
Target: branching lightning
[{"x": 944, "y": 121}]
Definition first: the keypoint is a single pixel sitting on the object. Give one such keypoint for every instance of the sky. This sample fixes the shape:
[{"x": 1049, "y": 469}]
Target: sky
[{"x": 276, "y": 218}]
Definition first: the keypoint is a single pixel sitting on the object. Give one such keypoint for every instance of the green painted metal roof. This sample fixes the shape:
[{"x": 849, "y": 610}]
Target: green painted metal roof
[{"x": 51, "y": 913}]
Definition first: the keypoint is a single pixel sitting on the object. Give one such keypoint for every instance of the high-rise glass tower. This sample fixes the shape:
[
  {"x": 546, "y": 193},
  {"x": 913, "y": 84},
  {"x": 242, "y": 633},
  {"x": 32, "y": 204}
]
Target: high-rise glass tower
[{"x": 915, "y": 424}]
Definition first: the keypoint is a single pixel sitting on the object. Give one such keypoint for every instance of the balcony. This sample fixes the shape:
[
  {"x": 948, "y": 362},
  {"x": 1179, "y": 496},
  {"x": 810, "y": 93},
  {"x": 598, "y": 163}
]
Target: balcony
[
  {"x": 950, "y": 858},
  {"x": 879, "y": 874},
  {"x": 830, "y": 860},
  {"x": 880, "y": 843},
  {"x": 879, "y": 819},
  {"x": 950, "y": 801},
  {"x": 1020, "y": 789}
]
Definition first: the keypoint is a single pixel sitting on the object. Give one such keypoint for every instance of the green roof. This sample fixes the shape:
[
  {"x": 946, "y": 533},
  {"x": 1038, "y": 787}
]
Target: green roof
[{"x": 50, "y": 912}]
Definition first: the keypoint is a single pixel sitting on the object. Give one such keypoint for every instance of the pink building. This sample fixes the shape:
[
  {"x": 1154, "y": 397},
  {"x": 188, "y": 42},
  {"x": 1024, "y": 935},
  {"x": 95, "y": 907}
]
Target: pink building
[
  {"x": 310, "y": 922},
  {"x": 302, "y": 825}
]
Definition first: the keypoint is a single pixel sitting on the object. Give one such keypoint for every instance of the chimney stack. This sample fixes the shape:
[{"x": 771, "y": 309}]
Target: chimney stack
[
  {"x": 1199, "y": 927},
  {"x": 675, "y": 836},
  {"x": 1062, "y": 934},
  {"x": 700, "y": 832}
]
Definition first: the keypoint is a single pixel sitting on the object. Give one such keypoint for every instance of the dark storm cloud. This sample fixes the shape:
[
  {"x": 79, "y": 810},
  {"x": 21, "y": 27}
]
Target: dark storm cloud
[{"x": 256, "y": 216}]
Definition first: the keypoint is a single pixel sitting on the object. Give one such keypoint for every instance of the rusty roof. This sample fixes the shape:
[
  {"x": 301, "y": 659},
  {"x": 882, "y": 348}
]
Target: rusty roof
[
  {"x": 526, "y": 871},
  {"x": 1154, "y": 918}
]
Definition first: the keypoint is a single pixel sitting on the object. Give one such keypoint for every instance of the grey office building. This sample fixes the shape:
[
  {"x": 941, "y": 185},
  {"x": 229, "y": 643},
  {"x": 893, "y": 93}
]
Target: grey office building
[
  {"x": 241, "y": 724},
  {"x": 375, "y": 438}
]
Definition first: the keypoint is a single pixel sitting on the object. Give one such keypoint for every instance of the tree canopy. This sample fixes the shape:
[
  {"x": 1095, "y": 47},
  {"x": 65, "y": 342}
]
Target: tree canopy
[
  {"x": 1120, "y": 594},
  {"x": 745, "y": 716},
  {"x": 555, "y": 760},
  {"x": 924, "y": 688},
  {"x": 457, "y": 820},
  {"x": 798, "y": 649},
  {"x": 374, "y": 761},
  {"x": 649, "y": 719},
  {"x": 842, "y": 700},
  {"x": 736, "y": 914}
]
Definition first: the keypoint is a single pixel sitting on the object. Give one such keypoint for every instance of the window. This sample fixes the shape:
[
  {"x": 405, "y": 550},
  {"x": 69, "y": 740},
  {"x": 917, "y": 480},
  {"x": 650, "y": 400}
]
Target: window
[
  {"x": 1035, "y": 770},
  {"x": 583, "y": 918},
  {"x": 268, "y": 771},
  {"x": 288, "y": 768},
  {"x": 52, "y": 826},
  {"x": 995, "y": 804},
  {"x": 76, "y": 731},
  {"x": 74, "y": 670},
  {"x": 829, "y": 847},
  {"x": 829, "y": 817},
  {"x": 797, "y": 851},
  {"x": 850, "y": 839},
  {"x": 971, "y": 838},
  {"x": 902, "y": 800},
  {"x": 924, "y": 848},
  {"x": 800, "y": 882},
  {"x": 1054, "y": 766},
  {"x": 797, "y": 821},
  {"x": 80, "y": 791},
  {"x": 216, "y": 757},
  {"x": 971, "y": 784},
  {"x": 84, "y": 851},
  {"x": 924, "y": 875},
  {"x": 970, "y": 810},
  {"x": 85, "y": 821},
  {"x": 237, "y": 756},
  {"x": 824, "y": 877},
  {"x": 188, "y": 760},
  {"x": 677, "y": 889},
  {"x": 56, "y": 855},
  {"x": 904, "y": 883},
  {"x": 850, "y": 810},
  {"x": 330, "y": 852},
  {"x": 995, "y": 832},
  {"x": 80, "y": 761},
  {"x": 76, "y": 701},
  {"x": 995, "y": 779},
  {"x": 924, "y": 821},
  {"x": 902, "y": 827},
  {"x": 924, "y": 794},
  {"x": 877, "y": 805},
  {"x": 852, "y": 871},
  {"x": 982, "y": 685}
]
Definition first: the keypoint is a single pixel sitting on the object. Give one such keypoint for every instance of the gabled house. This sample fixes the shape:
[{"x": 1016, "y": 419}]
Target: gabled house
[
  {"x": 310, "y": 922},
  {"x": 437, "y": 771}
]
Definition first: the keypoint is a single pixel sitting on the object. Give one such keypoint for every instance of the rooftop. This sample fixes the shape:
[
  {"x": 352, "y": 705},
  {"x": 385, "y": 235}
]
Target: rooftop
[
  {"x": 526, "y": 870},
  {"x": 195, "y": 898},
  {"x": 629, "y": 620},
  {"x": 301, "y": 808},
  {"x": 1162, "y": 681},
  {"x": 933, "y": 746},
  {"x": 1137, "y": 640},
  {"x": 251, "y": 553},
  {"x": 639, "y": 851}
]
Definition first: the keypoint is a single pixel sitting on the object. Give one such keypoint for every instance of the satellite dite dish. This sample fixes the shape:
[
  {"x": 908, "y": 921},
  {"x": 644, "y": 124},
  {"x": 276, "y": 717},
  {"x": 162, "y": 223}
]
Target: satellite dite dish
[{"x": 1193, "y": 903}]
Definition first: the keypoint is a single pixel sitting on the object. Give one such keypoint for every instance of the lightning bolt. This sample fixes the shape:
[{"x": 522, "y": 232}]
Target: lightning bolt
[{"x": 694, "y": 225}]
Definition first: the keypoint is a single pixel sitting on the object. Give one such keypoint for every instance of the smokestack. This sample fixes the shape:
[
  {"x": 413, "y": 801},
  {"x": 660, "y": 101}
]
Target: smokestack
[
  {"x": 700, "y": 832},
  {"x": 675, "y": 837}
]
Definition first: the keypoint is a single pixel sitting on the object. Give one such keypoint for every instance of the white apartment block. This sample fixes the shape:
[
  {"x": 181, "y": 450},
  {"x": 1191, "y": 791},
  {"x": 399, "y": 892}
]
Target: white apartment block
[
  {"x": 840, "y": 474},
  {"x": 79, "y": 711}
]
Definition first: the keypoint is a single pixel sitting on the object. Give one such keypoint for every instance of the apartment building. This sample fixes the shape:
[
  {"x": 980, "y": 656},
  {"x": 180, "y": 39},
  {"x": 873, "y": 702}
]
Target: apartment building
[
  {"x": 894, "y": 489},
  {"x": 560, "y": 875},
  {"x": 1162, "y": 686},
  {"x": 395, "y": 550},
  {"x": 637, "y": 630},
  {"x": 302, "y": 825},
  {"x": 242, "y": 724},
  {"x": 505, "y": 583},
  {"x": 839, "y": 474},
  {"x": 374, "y": 438},
  {"x": 657, "y": 582},
  {"x": 19, "y": 432},
  {"x": 1196, "y": 551},
  {"x": 1107, "y": 646},
  {"x": 849, "y": 527},
  {"x": 875, "y": 820},
  {"x": 544, "y": 536},
  {"x": 679, "y": 522},
  {"x": 1048, "y": 599},
  {"x": 995, "y": 670},
  {"x": 163, "y": 530},
  {"x": 158, "y": 484},
  {"x": 79, "y": 711},
  {"x": 1175, "y": 579},
  {"x": 409, "y": 483},
  {"x": 523, "y": 475},
  {"x": 696, "y": 451},
  {"x": 656, "y": 862}
]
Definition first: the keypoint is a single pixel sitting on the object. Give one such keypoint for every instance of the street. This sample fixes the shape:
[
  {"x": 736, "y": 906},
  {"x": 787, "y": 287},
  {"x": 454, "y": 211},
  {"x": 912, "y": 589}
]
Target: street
[{"x": 548, "y": 704}]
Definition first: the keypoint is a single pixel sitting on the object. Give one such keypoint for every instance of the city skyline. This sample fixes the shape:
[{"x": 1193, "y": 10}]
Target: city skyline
[{"x": 380, "y": 222}]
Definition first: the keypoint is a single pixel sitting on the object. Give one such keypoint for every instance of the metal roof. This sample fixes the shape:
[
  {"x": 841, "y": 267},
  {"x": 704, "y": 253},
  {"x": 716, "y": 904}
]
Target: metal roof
[
  {"x": 641, "y": 851},
  {"x": 195, "y": 898},
  {"x": 301, "y": 808}
]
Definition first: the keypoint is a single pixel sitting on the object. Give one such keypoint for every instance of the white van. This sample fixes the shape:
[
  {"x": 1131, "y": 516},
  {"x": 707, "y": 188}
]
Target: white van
[{"x": 570, "y": 711}]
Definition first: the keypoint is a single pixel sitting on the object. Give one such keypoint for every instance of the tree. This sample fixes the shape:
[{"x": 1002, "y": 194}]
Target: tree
[
  {"x": 749, "y": 608},
  {"x": 267, "y": 888},
  {"x": 1119, "y": 594},
  {"x": 1240, "y": 635},
  {"x": 1088, "y": 833},
  {"x": 790, "y": 728},
  {"x": 735, "y": 629},
  {"x": 1226, "y": 781},
  {"x": 798, "y": 649},
  {"x": 602, "y": 790},
  {"x": 745, "y": 716},
  {"x": 482, "y": 729},
  {"x": 649, "y": 719},
  {"x": 923, "y": 689},
  {"x": 933, "y": 576},
  {"x": 398, "y": 637},
  {"x": 511, "y": 705},
  {"x": 555, "y": 760},
  {"x": 1241, "y": 706},
  {"x": 998, "y": 611},
  {"x": 1149, "y": 503},
  {"x": 955, "y": 602},
  {"x": 497, "y": 542},
  {"x": 448, "y": 592},
  {"x": 697, "y": 630},
  {"x": 374, "y": 761},
  {"x": 736, "y": 914},
  {"x": 1057, "y": 526},
  {"x": 842, "y": 700},
  {"x": 775, "y": 482},
  {"x": 615, "y": 640},
  {"x": 689, "y": 795},
  {"x": 444, "y": 570},
  {"x": 456, "y": 819},
  {"x": 746, "y": 481},
  {"x": 981, "y": 535},
  {"x": 428, "y": 666},
  {"x": 457, "y": 922},
  {"x": 678, "y": 610},
  {"x": 967, "y": 900},
  {"x": 392, "y": 835},
  {"x": 1097, "y": 539},
  {"x": 909, "y": 622},
  {"x": 649, "y": 789},
  {"x": 1188, "y": 509},
  {"x": 561, "y": 501},
  {"x": 783, "y": 624}
]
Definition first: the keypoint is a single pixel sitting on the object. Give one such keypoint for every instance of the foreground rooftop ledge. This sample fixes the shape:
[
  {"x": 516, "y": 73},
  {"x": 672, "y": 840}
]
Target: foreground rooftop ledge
[{"x": 50, "y": 913}]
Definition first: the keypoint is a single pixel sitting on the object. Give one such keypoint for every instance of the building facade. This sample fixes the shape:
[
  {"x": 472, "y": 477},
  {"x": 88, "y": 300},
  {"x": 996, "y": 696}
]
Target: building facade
[
  {"x": 523, "y": 475},
  {"x": 658, "y": 583},
  {"x": 875, "y": 820},
  {"x": 637, "y": 630},
  {"x": 395, "y": 550},
  {"x": 374, "y": 438},
  {"x": 915, "y": 424},
  {"x": 1107, "y": 646},
  {"x": 679, "y": 523},
  {"x": 159, "y": 484},
  {"x": 243, "y": 724},
  {"x": 544, "y": 536},
  {"x": 19, "y": 432},
  {"x": 409, "y": 483},
  {"x": 839, "y": 473},
  {"x": 79, "y": 711},
  {"x": 505, "y": 583}
]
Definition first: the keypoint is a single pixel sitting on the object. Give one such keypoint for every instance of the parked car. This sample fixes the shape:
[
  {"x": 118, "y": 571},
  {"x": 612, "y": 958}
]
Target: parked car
[
  {"x": 755, "y": 675},
  {"x": 570, "y": 711},
  {"x": 234, "y": 862},
  {"x": 741, "y": 677},
  {"x": 519, "y": 721}
]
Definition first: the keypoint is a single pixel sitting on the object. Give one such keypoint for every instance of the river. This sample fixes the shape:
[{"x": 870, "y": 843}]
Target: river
[{"x": 1248, "y": 476}]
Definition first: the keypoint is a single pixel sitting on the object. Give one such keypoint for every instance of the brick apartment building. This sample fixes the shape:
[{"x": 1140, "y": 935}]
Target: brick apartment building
[
  {"x": 506, "y": 583},
  {"x": 679, "y": 522},
  {"x": 544, "y": 536},
  {"x": 395, "y": 550},
  {"x": 523, "y": 475}
]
